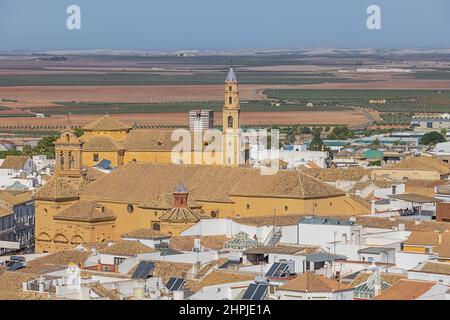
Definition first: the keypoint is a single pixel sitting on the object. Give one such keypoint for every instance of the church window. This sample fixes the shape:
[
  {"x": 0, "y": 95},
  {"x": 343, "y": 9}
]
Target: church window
[
  {"x": 230, "y": 88},
  {"x": 95, "y": 157},
  {"x": 230, "y": 100},
  {"x": 67, "y": 137},
  {"x": 130, "y": 208},
  {"x": 213, "y": 214},
  {"x": 156, "y": 227},
  {"x": 248, "y": 206},
  {"x": 230, "y": 122},
  {"x": 286, "y": 208},
  {"x": 71, "y": 162},
  {"x": 61, "y": 158}
]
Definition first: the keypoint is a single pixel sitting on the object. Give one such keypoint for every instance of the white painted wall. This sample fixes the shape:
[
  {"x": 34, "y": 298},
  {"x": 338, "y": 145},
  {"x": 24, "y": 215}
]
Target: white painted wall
[{"x": 407, "y": 260}]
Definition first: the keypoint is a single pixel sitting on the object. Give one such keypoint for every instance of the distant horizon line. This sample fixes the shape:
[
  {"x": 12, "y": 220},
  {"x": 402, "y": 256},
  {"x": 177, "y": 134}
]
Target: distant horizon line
[{"x": 241, "y": 51}]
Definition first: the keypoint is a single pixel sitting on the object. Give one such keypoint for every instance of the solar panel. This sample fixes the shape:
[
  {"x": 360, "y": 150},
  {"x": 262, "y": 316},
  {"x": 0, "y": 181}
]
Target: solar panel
[
  {"x": 255, "y": 291},
  {"x": 15, "y": 266},
  {"x": 260, "y": 292},
  {"x": 175, "y": 284},
  {"x": 104, "y": 164},
  {"x": 143, "y": 270},
  {"x": 250, "y": 291},
  {"x": 277, "y": 270},
  {"x": 272, "y": 269}
]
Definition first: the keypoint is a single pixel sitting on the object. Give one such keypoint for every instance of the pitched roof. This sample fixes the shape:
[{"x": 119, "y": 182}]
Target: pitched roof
[
  {"x": 11, "y": 287},
  {"x": 127, "y": 248},
  {"x": 179, "y": 215},
  {"x": 421, "y": 163},
  {"x": 14, "y": 162},
  {"x": 100, "y": 290},
  {"x": 231, "y": 76},
  {"x": 279, "y": 220},
  {"x": 56, "y": 260},
  {"x": 102, "y": 144},
  {"x": 106, "y": 123},
  {"x": 434, "y": 267},
  {"x": 186, "y": 243},
  {"x": 143, "y": 183},
  {"x": 406, "y": 289},
  {"x": 167, "y": 270},
  {"x": 426, "y": 238},
  {"x": 145, "y": 234},
  {"x": 410, "y": 225},
  {"x": 86, "y": 211},
  {"x": 15, "y": 198},
  {"x": 335, "y": 174},
  {"x": 219, "y": 277},
  {"x": 311, "y": 282},
  {"x": 59, "y": 188},
  {"x": 283, "y": 249}
]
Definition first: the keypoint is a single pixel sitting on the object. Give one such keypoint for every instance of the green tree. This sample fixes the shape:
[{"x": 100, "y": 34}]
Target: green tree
[
  {"x": 78, "y": 132},
  {"x": 27, "y": 150},
  {"x": 46, "y": 146},
  {"x": 305, "y": 130},
  {"x": 340, "y": 133},
  {"x": 444, "y": 132},
  {"x": 317, "y": 142},
  {"x": 432, "y": 138},
  {"x": 375, "y": 143}
]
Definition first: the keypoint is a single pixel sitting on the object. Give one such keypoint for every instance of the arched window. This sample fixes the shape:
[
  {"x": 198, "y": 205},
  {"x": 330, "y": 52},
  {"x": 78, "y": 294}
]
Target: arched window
[
  {"x": 230, "y": 100},
  {"x": 230, "y": 122},
  {"x": 61, "y": 158},
  {"x": 230, "y": 88},
  {"x": 70, "y": 160},
  {"x": 67, "y": 137}
]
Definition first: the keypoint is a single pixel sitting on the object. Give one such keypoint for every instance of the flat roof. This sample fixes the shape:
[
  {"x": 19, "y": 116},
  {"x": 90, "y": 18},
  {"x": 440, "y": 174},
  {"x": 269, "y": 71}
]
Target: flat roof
[
  {"x": 411, "y": 197},
  {"x": 281, "y": 249},
  {"x": 375, "y": 250}
]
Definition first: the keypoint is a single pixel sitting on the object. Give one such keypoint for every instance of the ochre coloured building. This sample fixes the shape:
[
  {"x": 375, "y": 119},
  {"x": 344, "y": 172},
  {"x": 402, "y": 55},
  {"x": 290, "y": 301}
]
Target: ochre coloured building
[
  {"x": 109, "y": 139},
  {"x": 147, "y": 191}
]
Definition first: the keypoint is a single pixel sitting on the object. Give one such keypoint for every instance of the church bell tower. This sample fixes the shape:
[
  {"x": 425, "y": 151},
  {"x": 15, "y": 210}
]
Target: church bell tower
[
  {"x": 68, "y": 155},
  {"x": 231, "y": 120}
]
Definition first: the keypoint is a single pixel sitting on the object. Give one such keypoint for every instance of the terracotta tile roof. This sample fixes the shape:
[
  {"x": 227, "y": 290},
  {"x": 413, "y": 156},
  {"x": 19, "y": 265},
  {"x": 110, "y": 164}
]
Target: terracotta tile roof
[
  {"x": 14, "y": 162},
  {"x": 187, "y": 243},
  {"x": 378, "y": 183},
  {"x": 422, "y": 163},
  {"x": 102, "y": 144},
  {"x": 127, "y": 248},
  {"x": 144, "y": 183},
  {"x": 390, "y": 278},
  {"x": 11, "y": 287},
  {"x": 218, "y": 277},
  {"x": 165, "y": 201},
  {"x": 424, "y": 183},
  {"x": 56, "y": 260},
  {"x": 361, "y": 201},
  {"x": 153, "y": 140},
  {"x": 59, "y": 188},
  {"x": 284, "y": 249},
  {"x": 106, "y": 123},
  {"x": 406, "y": 290},
  {"x": 389, "y": 223},
  {"x": 103, "y": 292},
  {"x": 335, "y": 174},
  {"x": 443, "y": 250},
  {"x": 92, "y": 174},
  {"x": 15, "y": 198},
  {"x": 145, "y": 234},
  {"x": 86, "y": 211},
  {"x": 167, "y": 270},
  {"x": 434, "y": 267},
  {"x": 5, "y": 211},
  {"x": 311, "y": 282},
  {"x": 426, "y": 238}
]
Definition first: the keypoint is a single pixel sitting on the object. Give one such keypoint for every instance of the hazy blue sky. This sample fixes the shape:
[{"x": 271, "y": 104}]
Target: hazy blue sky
[{"x": 229, "y": 24}]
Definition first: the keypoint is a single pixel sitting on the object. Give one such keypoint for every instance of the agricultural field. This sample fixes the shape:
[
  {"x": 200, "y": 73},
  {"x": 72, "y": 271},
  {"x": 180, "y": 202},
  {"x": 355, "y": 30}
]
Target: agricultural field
[{"x": 394, "y": 106}]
